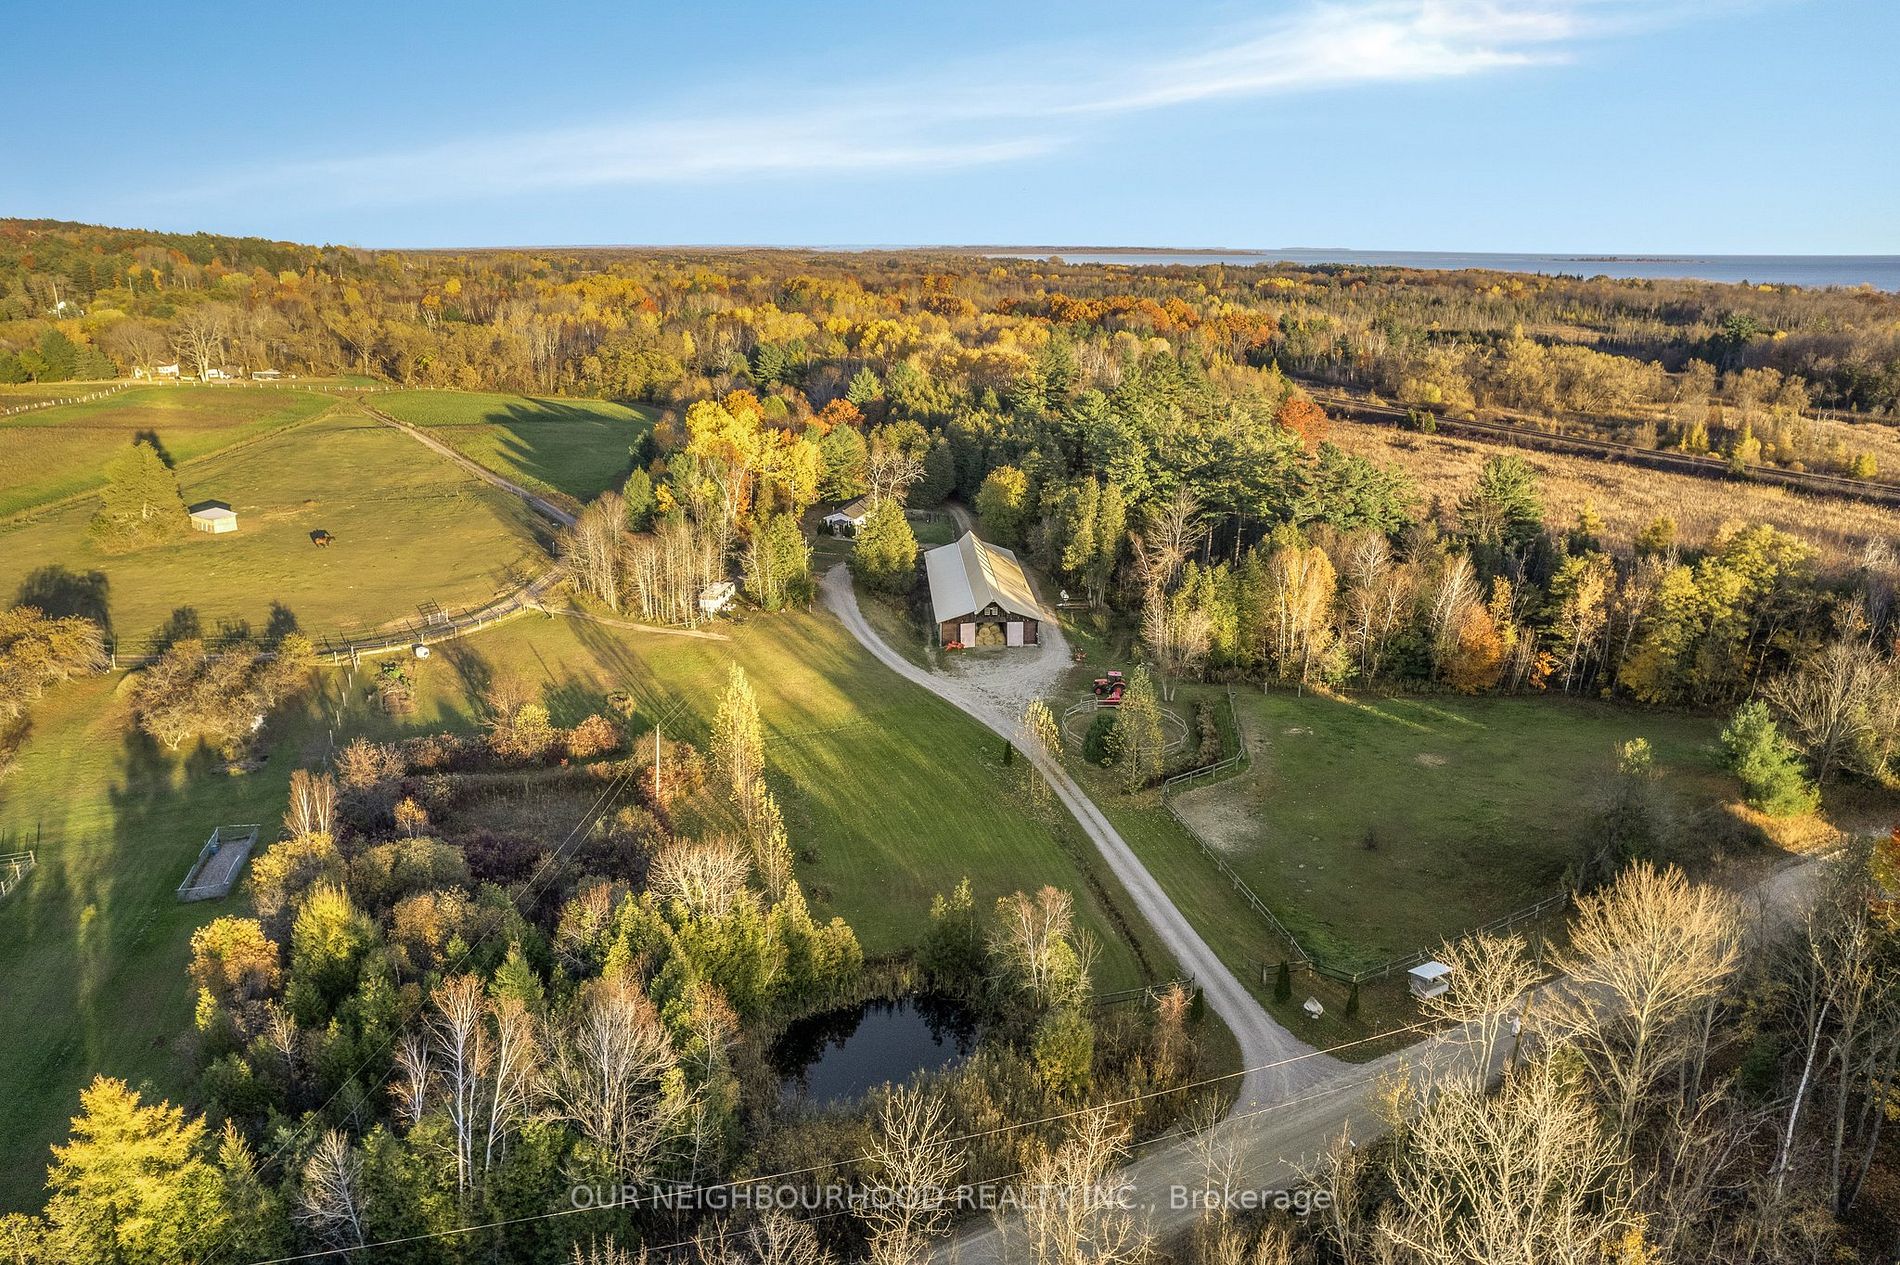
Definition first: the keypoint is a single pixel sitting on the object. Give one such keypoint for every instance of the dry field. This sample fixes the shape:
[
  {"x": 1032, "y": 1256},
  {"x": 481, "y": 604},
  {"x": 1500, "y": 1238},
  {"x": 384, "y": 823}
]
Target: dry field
[{"x": 1628, "y": 498}]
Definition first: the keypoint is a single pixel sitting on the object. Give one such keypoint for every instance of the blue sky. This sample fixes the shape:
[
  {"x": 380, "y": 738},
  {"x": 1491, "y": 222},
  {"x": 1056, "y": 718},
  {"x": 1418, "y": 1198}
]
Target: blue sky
[{"x": 1523, "y": 125}]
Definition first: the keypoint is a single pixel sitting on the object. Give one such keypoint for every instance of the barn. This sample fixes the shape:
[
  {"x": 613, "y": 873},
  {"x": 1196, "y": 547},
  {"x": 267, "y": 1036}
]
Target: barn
[
  {"x": 973, "y": 586},
  {"x": 214, "y": 516}
]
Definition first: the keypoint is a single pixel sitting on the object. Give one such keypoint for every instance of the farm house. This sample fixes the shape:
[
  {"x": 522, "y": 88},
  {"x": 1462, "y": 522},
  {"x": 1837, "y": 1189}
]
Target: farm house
[
  {"x": 976, "y": 586},
  {"x": 847, "y": 518},
  {"x": 213, "y": 516}
]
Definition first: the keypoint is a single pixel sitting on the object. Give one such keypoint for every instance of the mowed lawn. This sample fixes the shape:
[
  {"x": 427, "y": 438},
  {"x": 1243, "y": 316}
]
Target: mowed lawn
[
  {"x": 578, "y": 448},
  {"x": 53, "y": 453},
  {"x": 408, "y": 524},
  {"x": 93, "y": 945},
  {"x": 1377, "y": 826}
]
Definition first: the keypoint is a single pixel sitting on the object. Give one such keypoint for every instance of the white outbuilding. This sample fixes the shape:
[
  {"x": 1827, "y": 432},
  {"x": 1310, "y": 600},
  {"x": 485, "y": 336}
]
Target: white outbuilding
[
  {"x": 213, "y": 516},
  {"x": 1429, "y": 979}
]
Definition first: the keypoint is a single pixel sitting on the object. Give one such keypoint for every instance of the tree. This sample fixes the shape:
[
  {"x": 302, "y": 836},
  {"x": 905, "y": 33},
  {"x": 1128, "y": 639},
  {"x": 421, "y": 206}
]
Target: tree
[
  {"x": 233, "y": 960},
  {"x": 1139, "y": 740},
  {"x": 608, "y": 1073},
  {"x": 916, "y": 1164},
  {"x": 1504, "y": 508},
  {"x": 1041, "y": 740},
  {"x": 638, "y": 500},
  {"x": 37, "y": 651},
  {"x": 1002, "y": 504},
  {"x": 778, "y": 564},
  {"x": 1303, "y": 418},
  {"x": 845, "y": 458},
  {"x": 133, "y": 1183},
  {"x": 199, "y": 336},
  {"x": 1770, "y": 771},
  {"x": 885, "y": 556},
  {"x": 140, "y": 504},
  {"x": 330, "y": 1196},
  {"x": 738, "y": 736},
  {"x": 1491, "y": 979},
  {"x": 1644, "y": 956},
  {"x": 1844, "y": 704},
  {"x": 1035, "y": 948}
]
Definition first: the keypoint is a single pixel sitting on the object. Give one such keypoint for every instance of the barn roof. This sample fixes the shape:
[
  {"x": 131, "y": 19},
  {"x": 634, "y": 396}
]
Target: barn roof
[
  {"x": 969, "y": 575},
  {"x": 211, "y": 511}
]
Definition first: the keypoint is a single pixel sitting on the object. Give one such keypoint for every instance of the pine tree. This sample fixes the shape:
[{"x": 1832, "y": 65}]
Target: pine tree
[
  {"x": 1766, "y": 762},
  {"x": 886, "y": 554},
  {"x": 864, "y": 388},
  {"x": 844, "y": 454},
  {"x": 1283, "y": 983},
  {"x": 637, "y": 496},
  {"x": 140, "y": 504},
  {"x": 940, "y": 475}
]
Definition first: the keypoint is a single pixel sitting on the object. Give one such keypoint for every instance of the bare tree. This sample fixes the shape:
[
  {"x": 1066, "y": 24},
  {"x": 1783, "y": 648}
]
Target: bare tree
[
  {"x": 1645, "y": 954},
  {"x": 707, "y": 876},
  {"x": 1170, "y": 532},
  {"x": 1040, "y": 738},
  {"x": 312, "y": 809},
  {"x": 1839, "y": 702},
  {"x": 330, "y": 1199},
  {"x": 1523, "y": 1177},
  {"x": 1069, "y": 1216},
  {"x": 1035, "y": 945},
  {"x": 1178, "y": 635},
  {"x": 199, "y": 336},
  {"x": 606, "y": 1073},
  {"x": 916, "y": 1165},
  {"x": 1491, "y": 979},
  {"x": 591, "y": 548}
]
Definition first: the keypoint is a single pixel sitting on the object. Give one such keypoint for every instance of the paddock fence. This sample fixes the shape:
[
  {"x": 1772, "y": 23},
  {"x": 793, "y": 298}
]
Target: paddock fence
[{"x": 219, "y": 863}]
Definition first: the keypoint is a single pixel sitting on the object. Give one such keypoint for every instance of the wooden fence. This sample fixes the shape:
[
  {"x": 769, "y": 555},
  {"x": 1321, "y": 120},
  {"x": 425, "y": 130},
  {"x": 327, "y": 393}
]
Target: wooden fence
[{"x": 14, "y": 867}]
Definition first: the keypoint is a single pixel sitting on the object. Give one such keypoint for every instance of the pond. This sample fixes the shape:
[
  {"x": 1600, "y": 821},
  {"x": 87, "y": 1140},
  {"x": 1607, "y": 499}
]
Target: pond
[{"x": 841, "y": 1055}]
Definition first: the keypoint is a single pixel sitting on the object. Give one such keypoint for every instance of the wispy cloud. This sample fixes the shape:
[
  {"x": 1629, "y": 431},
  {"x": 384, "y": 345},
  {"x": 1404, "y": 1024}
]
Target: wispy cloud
[{"x": 1005, "y": 110}]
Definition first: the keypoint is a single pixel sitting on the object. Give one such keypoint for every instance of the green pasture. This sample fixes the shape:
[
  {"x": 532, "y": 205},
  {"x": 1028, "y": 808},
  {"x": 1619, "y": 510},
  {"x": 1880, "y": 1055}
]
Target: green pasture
[
  {"x": 577, "y": 448},
  {"x": 409, "y": 526},
  {"x": 52, "y": 453}
]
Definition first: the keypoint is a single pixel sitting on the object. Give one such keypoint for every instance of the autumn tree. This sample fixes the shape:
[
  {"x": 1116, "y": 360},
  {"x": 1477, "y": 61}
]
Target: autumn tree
[
  {"x": 1002, "y": 505},
  {"x": 1139, "y": 740},
  {"x": 1304, "y": 418}
]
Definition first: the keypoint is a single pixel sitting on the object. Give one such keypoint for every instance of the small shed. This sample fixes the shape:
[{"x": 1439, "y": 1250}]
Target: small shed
[
  {"x": 1429, "y": 979},
  {"x": 213, "y": 516},
  {"x": 847, "y": 518},
  {"x": 717, "y": 597},
  {"x": 1313, "y": 1008},
  {"x": 266, "y": 375}
]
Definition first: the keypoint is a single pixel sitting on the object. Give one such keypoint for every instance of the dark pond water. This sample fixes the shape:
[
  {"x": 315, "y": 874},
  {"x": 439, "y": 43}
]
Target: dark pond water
[{"x": 842, "y": 1055}]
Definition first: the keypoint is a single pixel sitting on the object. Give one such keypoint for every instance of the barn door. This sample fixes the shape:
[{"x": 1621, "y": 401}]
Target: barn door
[
  {"x": 1013, "y": 633},
  {"x": 966, "y": 633}
]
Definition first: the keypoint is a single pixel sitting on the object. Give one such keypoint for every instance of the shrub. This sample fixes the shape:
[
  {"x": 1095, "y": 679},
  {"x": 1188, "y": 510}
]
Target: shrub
[{"x": 595, "y": 736}]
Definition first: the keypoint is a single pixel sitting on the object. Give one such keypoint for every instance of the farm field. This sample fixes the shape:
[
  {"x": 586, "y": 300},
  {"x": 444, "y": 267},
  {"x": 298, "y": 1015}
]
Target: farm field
[
  {"x": 409, "y": 526},
  {"x": 1628, "y": 498},
  {"x": 53, "y": 453},
  {"x": 1461, "y": 809},
  {"x": 578, "y": 448},
  {"x": 94, "y": 945}
]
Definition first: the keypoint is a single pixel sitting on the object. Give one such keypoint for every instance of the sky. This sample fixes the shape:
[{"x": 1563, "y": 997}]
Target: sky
[{"x": 1611, "y": 126}]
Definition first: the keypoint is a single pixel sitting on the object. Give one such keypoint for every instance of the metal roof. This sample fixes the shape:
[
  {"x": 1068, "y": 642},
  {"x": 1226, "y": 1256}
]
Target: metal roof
[{"x": 969, "y": 575}]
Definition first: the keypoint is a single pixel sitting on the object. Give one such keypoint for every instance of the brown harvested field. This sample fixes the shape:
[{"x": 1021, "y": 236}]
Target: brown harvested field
[{"x": 1628, "y": 498}]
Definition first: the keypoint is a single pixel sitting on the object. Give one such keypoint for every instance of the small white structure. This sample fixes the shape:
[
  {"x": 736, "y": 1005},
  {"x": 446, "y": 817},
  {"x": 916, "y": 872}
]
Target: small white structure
[
  {"x": 265, "y": 375},
  {"x": 1429, "y": 979},
  {"x": 217, "y": 375},
  {"x": 157, "y": 371},
  {"x": 1312, "y": 1008},
  {"x": 717, "y": 597},
  {"x": 213, "y": 516},
  {"x": 847, "y": 518}
]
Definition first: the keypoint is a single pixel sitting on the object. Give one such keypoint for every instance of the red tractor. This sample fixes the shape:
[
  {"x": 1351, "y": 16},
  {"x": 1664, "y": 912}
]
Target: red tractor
[{"x": 1108, "y": 690}]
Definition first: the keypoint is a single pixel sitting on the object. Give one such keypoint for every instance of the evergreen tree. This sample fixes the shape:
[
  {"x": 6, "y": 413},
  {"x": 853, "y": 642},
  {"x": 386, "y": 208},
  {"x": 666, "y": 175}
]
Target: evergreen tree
[
  {"x": 59, "y": 357},
  {"x": 1765, "y": 761},
  {"x": 864, "y": 388},
  {"x": 738, "y": 737},
  {"x": 1283, "y": 983},
  {"x": 940, "y": 475},
  {"x": 133, "y": 1184},
  {"x": 844, "y": 454},
  {"x": 140, "y": 504},
  {"x": 638, "y": 497},
  {"x": 1504, "y": 508},
  {"x": 886, "y": 554}
]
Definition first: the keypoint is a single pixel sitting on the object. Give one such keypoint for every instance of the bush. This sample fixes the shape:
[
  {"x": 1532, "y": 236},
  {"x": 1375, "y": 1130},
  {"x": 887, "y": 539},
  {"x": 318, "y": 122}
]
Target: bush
[
  {"x": 595, "y": 736},
  {"x": 1098, "y": 745}
]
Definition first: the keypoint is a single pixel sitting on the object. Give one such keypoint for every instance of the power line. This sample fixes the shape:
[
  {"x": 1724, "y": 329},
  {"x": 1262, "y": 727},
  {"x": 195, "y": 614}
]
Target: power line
[{"x": 735, "y": 1183}]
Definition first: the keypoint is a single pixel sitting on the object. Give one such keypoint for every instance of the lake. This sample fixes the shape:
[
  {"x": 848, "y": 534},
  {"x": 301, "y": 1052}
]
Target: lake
[
  {"x": 1879, "y": 271},
  {"x": 842, "y": 1055}
]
